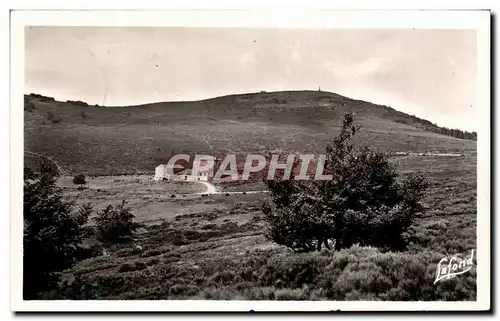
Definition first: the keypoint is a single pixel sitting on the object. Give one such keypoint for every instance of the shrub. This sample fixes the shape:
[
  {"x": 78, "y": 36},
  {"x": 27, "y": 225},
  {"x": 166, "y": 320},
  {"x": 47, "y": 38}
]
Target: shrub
[
  {"x": 126, "y": 267},
  {"x": 115, "y": 222},
  {"x": 152, "y": 252},
  {"x": 77, "y": 103},
  {"x": 51, "y": 117},
  {"x": 183, "y": 290},
  {"x": 79, "y": 180},
  {"x": 363, "y": 202},
  {"x": 290, "y": 270},
  {"x": 44, "y": 166},
  {"x": 52, "y": 235}
]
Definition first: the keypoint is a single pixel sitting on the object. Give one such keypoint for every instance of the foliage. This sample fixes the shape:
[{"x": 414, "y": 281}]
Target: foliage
[
  {"x": 363, "y": 202},
  {"x": 41, "y": 97},
  {"x": 51, "y": 117},
  {"x": 79, "y": 180},
  {"x": 428, "y": 126},
  {"x": 358, "y": 273},
  {"x": 77, "y": 103},
  {"x": 52, "y": 233},
  {"x": 115, "y": 222}
]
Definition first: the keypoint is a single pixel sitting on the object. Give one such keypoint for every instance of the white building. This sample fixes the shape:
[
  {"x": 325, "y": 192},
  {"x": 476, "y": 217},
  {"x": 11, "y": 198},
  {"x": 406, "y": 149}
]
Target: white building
[
  {"x": 166, "y": 172},
  {"x": 176, "y": 173}
]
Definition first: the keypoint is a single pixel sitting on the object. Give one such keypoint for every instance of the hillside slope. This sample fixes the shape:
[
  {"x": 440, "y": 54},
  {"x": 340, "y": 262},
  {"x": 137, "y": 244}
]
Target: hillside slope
[{"x": 96, "y": 141}]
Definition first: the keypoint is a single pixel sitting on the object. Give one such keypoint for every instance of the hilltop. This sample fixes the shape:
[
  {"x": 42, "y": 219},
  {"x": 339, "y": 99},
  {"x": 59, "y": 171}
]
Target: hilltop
[{"x": 97, "y": 140}]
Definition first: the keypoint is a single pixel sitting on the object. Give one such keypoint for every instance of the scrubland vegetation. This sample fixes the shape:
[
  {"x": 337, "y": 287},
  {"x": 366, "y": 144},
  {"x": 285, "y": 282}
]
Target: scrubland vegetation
[
  {"x": 171, "y": 241},
  {"x": 215, "y": 247}
]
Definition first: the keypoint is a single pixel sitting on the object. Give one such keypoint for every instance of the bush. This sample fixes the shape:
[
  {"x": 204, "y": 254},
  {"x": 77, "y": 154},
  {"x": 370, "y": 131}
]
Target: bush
[
  {"x": 126, "y": 267},
  {"x": 183, "y": 290},
  {"x": 363, "y": 203},
  {"x": 290, "y": 270},
  {"x": 51, "y": 117},
  {"x": 79, "y": 180},
  {"x": 77, "y": 103},
  {"x": 152, "y": 252},
  {"x": 115, "y": 222},
  {"x": 52, "y": 235}
]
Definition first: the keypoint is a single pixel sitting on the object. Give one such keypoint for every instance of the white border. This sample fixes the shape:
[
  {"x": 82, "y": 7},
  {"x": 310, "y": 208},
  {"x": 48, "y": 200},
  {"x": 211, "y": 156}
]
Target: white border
[{"x": 478, "y": 20}]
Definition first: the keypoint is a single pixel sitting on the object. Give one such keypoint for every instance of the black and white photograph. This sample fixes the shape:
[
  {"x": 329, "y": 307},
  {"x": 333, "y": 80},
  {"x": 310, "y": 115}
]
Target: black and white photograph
[{"x": 236, "y": 161}]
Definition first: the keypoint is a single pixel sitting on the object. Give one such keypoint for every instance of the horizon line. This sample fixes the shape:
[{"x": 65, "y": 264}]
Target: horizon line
[{"x": 253, "y": 93}]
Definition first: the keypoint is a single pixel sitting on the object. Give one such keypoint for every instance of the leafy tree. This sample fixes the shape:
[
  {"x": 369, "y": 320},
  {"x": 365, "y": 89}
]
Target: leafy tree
[
  {"x": 52, "y": 232},
  {"x": 79, "y": 180},
  {"x": 48, "y": 167},
  {"x": 363, "y": 203},
  {"x": 115, "y": 222}
]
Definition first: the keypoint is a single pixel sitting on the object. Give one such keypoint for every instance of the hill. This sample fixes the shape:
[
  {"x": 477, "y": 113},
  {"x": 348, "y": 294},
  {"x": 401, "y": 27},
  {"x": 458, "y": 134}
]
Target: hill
[{"x": 97, "y": 140}]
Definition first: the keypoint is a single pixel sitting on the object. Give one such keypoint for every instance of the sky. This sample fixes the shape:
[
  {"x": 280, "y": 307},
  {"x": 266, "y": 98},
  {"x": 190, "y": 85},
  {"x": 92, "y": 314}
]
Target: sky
[{"x": 422, "y": 72}]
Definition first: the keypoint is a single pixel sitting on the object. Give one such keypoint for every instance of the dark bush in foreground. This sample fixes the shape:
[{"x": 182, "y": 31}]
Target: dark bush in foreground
[
  {"x": 52, "y": 234},
  {"x": 363, "y": 202},
  {"x": 115, "y": 222}
]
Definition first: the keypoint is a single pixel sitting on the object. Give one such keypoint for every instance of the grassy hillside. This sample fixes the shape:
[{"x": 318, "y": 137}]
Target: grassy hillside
[{"x": 96, "y": 140}]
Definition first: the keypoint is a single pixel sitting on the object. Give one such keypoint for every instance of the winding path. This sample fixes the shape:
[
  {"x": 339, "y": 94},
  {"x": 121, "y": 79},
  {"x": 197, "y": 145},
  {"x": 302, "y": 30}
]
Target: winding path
[{"x": 211, "y": 189}]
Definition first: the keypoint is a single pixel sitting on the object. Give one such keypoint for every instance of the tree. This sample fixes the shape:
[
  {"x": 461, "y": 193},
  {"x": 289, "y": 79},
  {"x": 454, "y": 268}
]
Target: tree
[
  {"x": 52, "y": 232},
  {"x": 115, "y": 222},
  {"x": 48, "y": 167},
  {"x": 363, "y": 203},
  {"x": 79, "y": 180}
]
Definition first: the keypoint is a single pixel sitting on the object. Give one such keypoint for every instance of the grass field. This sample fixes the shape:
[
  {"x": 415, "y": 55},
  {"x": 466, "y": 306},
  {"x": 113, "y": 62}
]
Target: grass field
[{"x": 213, "y": 247}]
